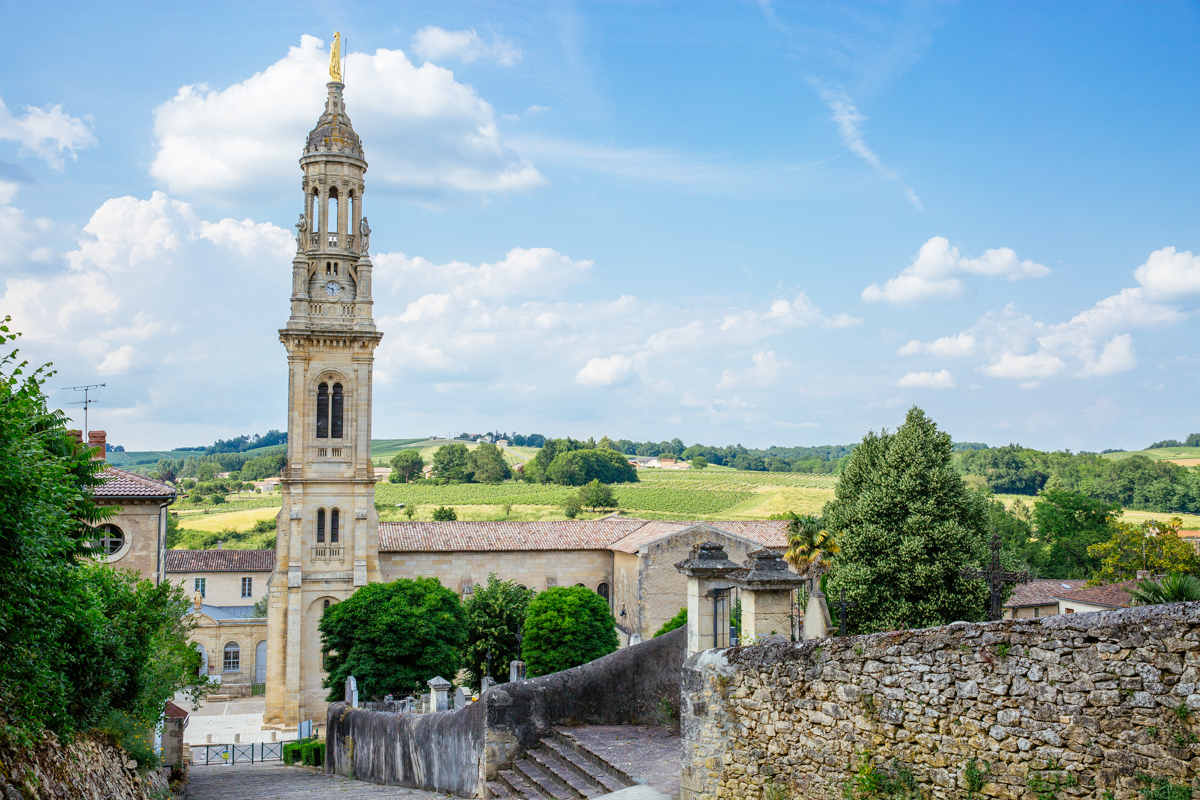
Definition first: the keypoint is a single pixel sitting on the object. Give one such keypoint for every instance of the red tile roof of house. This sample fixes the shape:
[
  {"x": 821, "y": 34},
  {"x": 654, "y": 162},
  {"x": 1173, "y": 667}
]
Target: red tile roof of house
[
  {"x": 1042, "y": 592},
  {"x": 616, "y": 533},
  {"x": 220, "y": 561},
  {"x": 1113, "y": 595},
  {"x": 118, "y": 483}
]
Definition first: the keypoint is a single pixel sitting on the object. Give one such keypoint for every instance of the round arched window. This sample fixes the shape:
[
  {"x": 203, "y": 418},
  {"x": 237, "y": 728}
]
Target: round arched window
[
  {"x": 602, "y": 590},
  {"x": 111, "y": 540},
  {"x": 232, "y": 657}
]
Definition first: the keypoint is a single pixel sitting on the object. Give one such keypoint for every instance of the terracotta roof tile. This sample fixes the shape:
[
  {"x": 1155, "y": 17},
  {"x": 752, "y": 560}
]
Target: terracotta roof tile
[
  {"x": 450, "y": 537},
  {"x": 220, "y": 561},
  {"x": 1042, "y": 592},
  {"x": 1113, "y": 595},
  {"x": 119, "y": 483},
  {"x": 617, "y": 533}
]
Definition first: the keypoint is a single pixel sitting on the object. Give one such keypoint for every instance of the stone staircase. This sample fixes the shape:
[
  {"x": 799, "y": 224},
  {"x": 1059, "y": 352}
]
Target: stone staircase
[{"x": 559, "y": 768}]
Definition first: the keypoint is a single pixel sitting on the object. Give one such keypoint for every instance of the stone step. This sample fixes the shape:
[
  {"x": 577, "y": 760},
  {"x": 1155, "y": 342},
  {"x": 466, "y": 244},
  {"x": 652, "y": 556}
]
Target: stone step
[
  {"x": 583, "y": 767},
  {"x": 517, "y": 786},
  {"x": 542, "y": 783},
  {"x": 550, "y": 764},
  {"x": 496, "y": 789},
  {"x": 596, "y": 759}
]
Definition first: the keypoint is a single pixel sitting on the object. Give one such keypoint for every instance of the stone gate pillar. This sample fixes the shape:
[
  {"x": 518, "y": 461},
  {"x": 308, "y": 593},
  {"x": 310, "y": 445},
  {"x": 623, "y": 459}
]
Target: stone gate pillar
[
  {"x": 706, "y": 569},
  {"x": 766, "y": 588}
]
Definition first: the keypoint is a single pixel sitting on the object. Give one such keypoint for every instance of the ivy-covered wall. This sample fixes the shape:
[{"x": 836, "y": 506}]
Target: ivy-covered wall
[{"x": 1071, "y": 706}]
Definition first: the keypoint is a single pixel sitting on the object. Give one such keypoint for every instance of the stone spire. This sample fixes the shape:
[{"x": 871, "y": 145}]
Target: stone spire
[{"x": 333, "y": 132}]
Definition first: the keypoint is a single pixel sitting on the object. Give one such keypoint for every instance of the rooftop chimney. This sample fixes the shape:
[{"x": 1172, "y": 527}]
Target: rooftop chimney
[
  {"x": 76, "y": 435},
  {"x": 97, "y": 441}
]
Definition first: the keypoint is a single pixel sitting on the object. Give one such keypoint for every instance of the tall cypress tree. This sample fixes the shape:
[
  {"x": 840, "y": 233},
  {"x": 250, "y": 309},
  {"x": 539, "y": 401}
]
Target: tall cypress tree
[{"x": 907, "y": 525}]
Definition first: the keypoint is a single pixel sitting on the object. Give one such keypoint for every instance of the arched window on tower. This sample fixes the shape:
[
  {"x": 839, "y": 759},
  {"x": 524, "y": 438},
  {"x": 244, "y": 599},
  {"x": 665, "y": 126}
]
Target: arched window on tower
[
  {"x": 352, "y": 215},
  {"x": 320, "y": 526},
  {"x": 313, "y": 205},
  {"x": 323, "y": 411},
  {"x": 335, "y": 428},
  {"x": 333, "y": 526},
  {"x": 328, "y": 267},
  {"x": 334, "y": 221}
]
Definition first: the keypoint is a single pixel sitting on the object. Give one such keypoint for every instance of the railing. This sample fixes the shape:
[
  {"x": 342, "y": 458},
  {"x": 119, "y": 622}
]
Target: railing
[
  {"x": 331, "y": 309},
  {"x": 230, "y": 754},
  {"x": 340, "y": 452},
  {"x": 327, "y": 553},
  {"x": 332, "y": 239}
]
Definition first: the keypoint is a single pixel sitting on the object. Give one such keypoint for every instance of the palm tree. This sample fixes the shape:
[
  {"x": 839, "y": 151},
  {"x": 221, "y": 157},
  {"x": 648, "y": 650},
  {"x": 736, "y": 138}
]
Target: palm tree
[
  {"x": 810, "y": 545},
  {"x": 1174, "y": 588}
]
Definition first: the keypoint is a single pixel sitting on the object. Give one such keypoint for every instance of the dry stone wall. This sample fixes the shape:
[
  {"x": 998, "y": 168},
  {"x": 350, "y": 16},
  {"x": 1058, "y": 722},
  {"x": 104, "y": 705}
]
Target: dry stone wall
[
  {"x": 89, "y": 768},
  {"x": 1071, "y": 706}
]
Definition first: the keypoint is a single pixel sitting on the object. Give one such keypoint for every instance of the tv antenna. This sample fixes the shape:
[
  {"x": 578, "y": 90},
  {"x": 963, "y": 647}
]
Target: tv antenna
[{"x": 86, "y": 401}]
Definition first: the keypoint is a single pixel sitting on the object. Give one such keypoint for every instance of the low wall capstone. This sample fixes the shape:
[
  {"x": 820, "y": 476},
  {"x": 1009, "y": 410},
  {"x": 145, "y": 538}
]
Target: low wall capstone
[{"x": 1077, "y": 705}]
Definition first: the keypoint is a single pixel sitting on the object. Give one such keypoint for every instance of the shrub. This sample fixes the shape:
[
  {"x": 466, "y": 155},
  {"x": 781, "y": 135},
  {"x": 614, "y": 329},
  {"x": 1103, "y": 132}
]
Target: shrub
[
  {"x": 444, "y": 514},
  {"x": 566, "y": 626},
  {"x": 313, "y": 753},
  {"x": 292, "y": 751}
]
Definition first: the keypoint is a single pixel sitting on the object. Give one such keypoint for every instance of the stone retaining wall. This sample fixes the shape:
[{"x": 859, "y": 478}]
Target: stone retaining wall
[
  {"x": 90, "y": 768},
  {"x": 1076, "y": 705},
  {"x": 457, "y": 751}
]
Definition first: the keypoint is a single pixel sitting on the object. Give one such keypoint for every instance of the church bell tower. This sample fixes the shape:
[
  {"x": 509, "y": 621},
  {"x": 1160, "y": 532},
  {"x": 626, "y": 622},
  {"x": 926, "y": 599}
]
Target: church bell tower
[{"x": 328, "y": 532}]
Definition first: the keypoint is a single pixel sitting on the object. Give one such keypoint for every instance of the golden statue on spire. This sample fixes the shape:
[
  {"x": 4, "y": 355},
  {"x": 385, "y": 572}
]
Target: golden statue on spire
[{"x": 335, "y": 58}]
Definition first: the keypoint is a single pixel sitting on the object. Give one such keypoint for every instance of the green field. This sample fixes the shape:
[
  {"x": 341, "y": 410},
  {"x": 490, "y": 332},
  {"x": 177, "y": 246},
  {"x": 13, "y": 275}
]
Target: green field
[{"x": 1188, "y": 456}]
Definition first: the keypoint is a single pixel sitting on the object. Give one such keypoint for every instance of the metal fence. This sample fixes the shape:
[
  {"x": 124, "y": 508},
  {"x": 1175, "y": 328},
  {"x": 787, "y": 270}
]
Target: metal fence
[
  {"x": 232, "y": 754},
  {"x": 727, "y": 621}
]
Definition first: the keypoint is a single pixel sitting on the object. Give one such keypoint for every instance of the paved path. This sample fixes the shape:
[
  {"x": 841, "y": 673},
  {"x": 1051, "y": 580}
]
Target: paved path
[{"x": 277, "y": 782}]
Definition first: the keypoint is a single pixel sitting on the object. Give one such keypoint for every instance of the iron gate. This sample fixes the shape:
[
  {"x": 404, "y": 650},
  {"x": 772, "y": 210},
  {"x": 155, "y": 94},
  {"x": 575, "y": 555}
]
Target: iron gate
[
  {"x": 232, "y": 754},
  {"x": 727, "y": 612}
]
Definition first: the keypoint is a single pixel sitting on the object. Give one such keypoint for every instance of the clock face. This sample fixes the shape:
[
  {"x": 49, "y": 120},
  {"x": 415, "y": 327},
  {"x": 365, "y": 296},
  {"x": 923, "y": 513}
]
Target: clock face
[{"x": 333, "y": 288}]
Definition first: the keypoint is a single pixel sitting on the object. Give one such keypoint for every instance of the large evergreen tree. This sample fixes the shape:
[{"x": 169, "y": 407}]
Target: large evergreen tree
[
  {"x": 907, "y": 525},
  {"x": 495, "y": 613}
]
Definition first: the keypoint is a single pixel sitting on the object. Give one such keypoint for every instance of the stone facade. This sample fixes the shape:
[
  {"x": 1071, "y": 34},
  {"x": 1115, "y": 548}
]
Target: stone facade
[
  {"x": 214, "y": 632},
  {"x": 330, "y": 339},
  {"x": 89, "y": 768},
  {"x": 535, "y": 570},
  {"x": 1080, "y": 703}
]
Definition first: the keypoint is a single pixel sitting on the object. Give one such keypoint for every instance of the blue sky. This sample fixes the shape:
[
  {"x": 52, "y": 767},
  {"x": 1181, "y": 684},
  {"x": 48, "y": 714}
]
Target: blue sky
[{"x": 731, "y": 222}]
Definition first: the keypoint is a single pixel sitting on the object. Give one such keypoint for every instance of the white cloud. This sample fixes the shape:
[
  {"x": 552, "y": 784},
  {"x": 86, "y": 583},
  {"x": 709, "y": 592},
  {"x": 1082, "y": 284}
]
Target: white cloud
[
  {"x": 763, "y": 374},
  {"x": 436, "y": 44},
  {"x": 527, "y": 272},
  {"x": 20, "y": 234},
  {"x": 424, "y": 133},
  {"x": 942, "y": 379},
  {"x": 605, "y": 371},
  {"x": 849, "y": 120},
  {"x": 1116, "y": 356},
  {"x": 154, "y": 291},
  {"x": 1023, "y": 367},
  {"x": 960, "y": 345},
  {"x": 49, "y": 132},
  {"x": 935, "y": 270},
  {"x": 1168, "y": 274}
]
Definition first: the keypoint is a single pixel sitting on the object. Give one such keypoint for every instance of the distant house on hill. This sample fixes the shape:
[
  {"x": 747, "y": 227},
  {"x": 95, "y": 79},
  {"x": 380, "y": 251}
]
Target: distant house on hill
[
  {"x": 502, "y": 442},
  {"x": 1038, "y": 598},
  {"x": 1097, "y": 598}
]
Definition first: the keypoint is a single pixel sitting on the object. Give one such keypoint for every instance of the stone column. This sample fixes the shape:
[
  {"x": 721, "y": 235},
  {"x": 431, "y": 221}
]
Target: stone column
[
  {"x": 706, "y": 569},
  {"x": 516, "y": 671},
  {"x": 438, "y": 689},
  {"x": 767, "y": 585},
  {"x": 816, "y": 617}
]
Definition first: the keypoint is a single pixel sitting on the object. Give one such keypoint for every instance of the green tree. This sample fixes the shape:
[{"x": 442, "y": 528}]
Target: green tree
[
  {"x": 596, "y": 495},
  {"x": 1067, "y": 524},
  {"x": 405, "y": 465},
  {"x": 1174, "y": 588},
  {"x": 488, "y": 465},
  {"x": 810, "y": 545},
  {"x": 577, "y": 467},
  {"x": 907, "y": 525},
  {"x": 571, "y": 507},
  {"x": 699, "y": 462},
  {"x": 444, "y": 514},
  {"x": 677, "y": 621},
  {"x": 452, "y": 462},
  {"x": 536, "y": 468},
  {"x": 410, "y": 510},
  {"x": 1154, "y": 546},
  {"x": 566, "y": 626},
  {"x": 495, "y": 614},
  {"x": 83, "y": 644},
  {"x": 393, "y": 637}
]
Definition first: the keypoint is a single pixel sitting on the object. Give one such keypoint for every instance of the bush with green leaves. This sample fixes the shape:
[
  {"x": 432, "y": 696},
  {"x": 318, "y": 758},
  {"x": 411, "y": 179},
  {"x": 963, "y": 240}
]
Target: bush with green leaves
[
  {"x": 597, "y": 495},
  {"x": 83, "y": 645},
  {"x": 444, "y": 514},
  {"x": 906, "y": 525},
  {"x": 677, "y": 621},
  {"x": 566, "y": 626},
  {"x": 495, "y": 613},
  {"x": 1173, "y": 588},
  {"x": 405, "y": 465},
  {"x": 393, "y": 637}
]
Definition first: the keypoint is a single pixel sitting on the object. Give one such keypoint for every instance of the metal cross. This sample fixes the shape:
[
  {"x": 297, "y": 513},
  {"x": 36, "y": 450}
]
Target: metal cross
[
  {"x": 996, "y": 577},
  {"x": 844, "y": 604}
]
